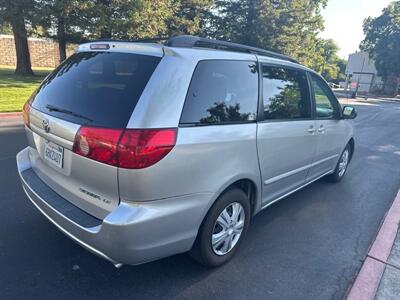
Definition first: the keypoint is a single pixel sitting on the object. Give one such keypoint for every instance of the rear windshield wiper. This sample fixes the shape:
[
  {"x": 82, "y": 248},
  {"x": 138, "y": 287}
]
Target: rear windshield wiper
[{"x": 66, "y": 111}]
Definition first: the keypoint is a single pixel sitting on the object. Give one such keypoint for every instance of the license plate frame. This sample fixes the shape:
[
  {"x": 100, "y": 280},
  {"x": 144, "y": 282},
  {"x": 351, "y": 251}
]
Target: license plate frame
[{"x": 54, "y": 154}]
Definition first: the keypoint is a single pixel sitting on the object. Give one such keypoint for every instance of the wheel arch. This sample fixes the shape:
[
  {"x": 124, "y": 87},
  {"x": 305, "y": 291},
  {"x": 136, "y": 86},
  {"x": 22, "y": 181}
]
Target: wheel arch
[
  {"x": 248, "y": 185},
  {"x": 249, "y": 188}
]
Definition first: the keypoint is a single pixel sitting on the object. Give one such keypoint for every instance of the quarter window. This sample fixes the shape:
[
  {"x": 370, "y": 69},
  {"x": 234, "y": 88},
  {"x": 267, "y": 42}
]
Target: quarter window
[
  {"x": 222, "y": 92},
  {"x": 285, "y": 94},
  {"x": 324, "y": 99}
]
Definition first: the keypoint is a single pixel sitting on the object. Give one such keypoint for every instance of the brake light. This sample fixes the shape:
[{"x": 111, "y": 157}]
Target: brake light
[
  {"x": 130, "y": 148},
  {"x": 100, "y": 144},
  {"x": 142, "y": 148},
  {"x": 25, "y": 113},
  {"x": 99, "y": 46}
]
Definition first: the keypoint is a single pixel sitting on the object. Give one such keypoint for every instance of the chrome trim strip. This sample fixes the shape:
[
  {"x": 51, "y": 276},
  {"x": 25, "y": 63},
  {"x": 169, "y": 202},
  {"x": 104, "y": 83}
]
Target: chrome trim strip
[
  {"x": 61, "y": 132},
  {"x": 290, "y": 173},
  {"x": 51, "y": 137},
  {"x": 295, "y": 190}
]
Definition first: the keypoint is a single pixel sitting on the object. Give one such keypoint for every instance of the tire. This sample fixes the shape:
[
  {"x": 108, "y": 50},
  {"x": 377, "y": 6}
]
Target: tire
[
  {"x": 339, "y": 172},
  {"x": 212, "y": 256}
]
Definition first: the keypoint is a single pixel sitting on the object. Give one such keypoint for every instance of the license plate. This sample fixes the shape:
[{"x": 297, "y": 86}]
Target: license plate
[{"x": 54, "y": 154}]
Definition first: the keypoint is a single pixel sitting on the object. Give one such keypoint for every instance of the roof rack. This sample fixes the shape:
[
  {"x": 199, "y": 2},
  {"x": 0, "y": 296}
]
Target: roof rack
[
  {"x": 190, "y": 41},
  {"x": 145, "y": 40}
]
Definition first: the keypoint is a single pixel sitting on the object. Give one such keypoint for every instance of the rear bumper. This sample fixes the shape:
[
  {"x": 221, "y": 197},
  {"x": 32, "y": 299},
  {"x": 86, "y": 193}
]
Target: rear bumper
[{"x": 133, "y": 233}]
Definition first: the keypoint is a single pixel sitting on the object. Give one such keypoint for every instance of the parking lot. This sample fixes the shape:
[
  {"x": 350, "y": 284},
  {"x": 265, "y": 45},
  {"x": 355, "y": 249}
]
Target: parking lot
[{"x": 307, "y": 246}]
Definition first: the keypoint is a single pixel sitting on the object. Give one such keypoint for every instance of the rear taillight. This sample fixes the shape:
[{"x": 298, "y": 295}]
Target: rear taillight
[
  {"x": 130, "y": 148},
  {"x": 141, "y": 148},
  {"x": 25, "y": 113},
  {"x": 100, "y": 144}
]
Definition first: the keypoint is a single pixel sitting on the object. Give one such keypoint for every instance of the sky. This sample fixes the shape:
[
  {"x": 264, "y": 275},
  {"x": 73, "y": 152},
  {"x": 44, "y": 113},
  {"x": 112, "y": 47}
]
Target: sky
[{"x": 344, "y": 20}]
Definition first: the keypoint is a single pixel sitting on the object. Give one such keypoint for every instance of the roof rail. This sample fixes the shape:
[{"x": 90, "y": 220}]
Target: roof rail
[
  {"x": 145, "y": 40},
  {"x": 190, "y": 41}
]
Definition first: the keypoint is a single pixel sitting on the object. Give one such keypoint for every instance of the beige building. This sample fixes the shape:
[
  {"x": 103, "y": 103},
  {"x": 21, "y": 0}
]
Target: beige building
[{"x": 361, "y": 74}]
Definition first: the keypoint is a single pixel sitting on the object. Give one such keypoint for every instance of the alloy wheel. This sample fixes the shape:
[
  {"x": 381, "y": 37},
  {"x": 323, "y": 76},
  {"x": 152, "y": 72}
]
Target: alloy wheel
[{"x": 344, "y": 161}]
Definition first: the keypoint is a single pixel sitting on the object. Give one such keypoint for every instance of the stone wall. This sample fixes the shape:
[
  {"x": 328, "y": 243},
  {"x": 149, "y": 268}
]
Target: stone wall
[{"x": 43, "y": 52}]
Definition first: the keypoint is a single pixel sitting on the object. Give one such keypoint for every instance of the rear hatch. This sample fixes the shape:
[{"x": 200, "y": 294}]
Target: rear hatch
[{"x": 95, "y": 91}]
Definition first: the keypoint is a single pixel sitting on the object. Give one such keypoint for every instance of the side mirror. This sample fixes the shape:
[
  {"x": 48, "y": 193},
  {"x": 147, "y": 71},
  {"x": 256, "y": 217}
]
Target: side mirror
[{"x": 349, "y": 112}]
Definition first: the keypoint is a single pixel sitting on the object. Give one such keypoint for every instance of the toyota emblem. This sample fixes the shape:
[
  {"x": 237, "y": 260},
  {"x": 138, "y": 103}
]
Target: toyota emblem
[{"x": 46, "y": 126}]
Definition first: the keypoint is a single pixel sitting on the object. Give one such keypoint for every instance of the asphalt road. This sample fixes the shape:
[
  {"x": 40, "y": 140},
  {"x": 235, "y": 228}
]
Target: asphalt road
[{"x": 307, "y": 246}]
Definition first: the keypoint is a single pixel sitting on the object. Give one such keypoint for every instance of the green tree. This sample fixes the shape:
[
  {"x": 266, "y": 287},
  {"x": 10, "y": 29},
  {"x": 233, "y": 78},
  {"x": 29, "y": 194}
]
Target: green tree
[
  {"x": 382, "y": 42},
  {"x": 16, "y": 13},
  {"x": 110, "y": 18},
  {"x": 64, "y": 22},
  {"x": 287, "y": 26},
  {"x": 327, "y": 62},
  {"x": 342, "y": 64},
  {"x": 5, "y": 28},
  {"x": 79, "y": 20},
  {"x": 191, "y": 15},
  {"x": 168, "y": 17},
  {"x": 151, "y": 19},
  {"x": 139, "y": 19}
]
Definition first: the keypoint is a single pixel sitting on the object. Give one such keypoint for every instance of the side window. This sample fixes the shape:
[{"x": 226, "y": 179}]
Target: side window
[
  {"x": 325, "y": 102},
  {"x": 222, "y": 92},
  {"x": 285, "y": 94}
]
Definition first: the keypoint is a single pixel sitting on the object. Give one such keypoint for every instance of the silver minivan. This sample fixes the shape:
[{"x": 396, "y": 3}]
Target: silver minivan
[{"x": 138, "y": 151}]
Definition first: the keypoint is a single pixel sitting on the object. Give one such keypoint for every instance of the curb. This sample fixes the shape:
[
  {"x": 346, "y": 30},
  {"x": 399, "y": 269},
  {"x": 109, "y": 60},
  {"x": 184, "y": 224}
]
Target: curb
[
  {"x": 7, "y": 115},
  {"x": 11, "y": 119},
  {"x": 367, "y": 281}
]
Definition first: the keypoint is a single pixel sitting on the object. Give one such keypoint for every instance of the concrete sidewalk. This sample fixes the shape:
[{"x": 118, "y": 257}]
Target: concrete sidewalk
[
  {"x": 340, "y": 93},
  {"x": 379, "y": 277},
  {"x": 389, "y": 287},
  {"x": 369, "y": 101}
]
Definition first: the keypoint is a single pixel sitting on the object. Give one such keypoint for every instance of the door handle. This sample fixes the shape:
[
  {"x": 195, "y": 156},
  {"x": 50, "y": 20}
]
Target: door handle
[
  {"x": 311, "y": 130},
  {"x": 321, "y": 129}
]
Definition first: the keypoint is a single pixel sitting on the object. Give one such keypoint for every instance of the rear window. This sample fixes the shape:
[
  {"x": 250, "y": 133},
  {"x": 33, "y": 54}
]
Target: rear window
[
  {"x": 222, "y": 92},
  {"x": 96, "y": 88}
]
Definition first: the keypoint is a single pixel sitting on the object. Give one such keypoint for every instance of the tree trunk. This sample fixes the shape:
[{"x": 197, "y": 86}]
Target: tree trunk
[
  {"x": 24, "y": 67},
  {"x": 62, "y": 44}
]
